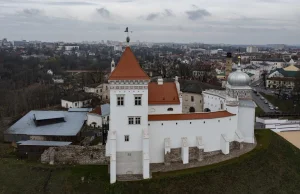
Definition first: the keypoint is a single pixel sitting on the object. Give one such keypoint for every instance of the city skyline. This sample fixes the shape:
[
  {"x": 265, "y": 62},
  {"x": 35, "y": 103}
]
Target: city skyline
[{"x": 233, "y": 22}]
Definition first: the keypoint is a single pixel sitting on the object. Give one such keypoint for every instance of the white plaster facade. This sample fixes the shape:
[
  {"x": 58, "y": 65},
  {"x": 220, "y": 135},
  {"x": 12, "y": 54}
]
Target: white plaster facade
[
  {"x": 94, "y": 120},
  {"x": 77, "y": 104}
]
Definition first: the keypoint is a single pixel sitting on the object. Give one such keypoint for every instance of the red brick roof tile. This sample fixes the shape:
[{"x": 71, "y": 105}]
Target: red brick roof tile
[
  {"x": 162, "y": 94},
  {"x": 128, "y": 68},
  {"x": 192, "y": 116}
]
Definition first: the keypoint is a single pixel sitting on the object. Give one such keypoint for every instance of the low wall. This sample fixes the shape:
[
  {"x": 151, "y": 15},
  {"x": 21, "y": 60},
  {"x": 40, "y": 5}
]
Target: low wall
[{"x": 74, "y": 154}]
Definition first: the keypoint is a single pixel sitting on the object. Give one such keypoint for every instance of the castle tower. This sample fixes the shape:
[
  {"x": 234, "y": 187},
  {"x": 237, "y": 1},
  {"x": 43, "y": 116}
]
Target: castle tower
[
  {"x": 129, "y": 117},
  {"x": 239, "y": 101},
  {"x": 228, "y": 67},
  {"x": 112, "y": 65}
]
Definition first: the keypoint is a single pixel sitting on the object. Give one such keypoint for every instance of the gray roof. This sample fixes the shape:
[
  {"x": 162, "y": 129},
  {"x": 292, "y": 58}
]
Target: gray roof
[
  {"x": 79, "y": 109},
  {"x": 247, "y": 103},
  {"x": 43, "y": 115},
  {"x": 44, "y": 143},
  {"x": 196, "y": 87},
  {"x": 105, "y": 109},
  {"x": 71, "y": 126}
]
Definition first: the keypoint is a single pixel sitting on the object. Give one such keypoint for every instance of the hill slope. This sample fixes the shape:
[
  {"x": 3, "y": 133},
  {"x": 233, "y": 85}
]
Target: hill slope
[{"x": 273, "y": 167}]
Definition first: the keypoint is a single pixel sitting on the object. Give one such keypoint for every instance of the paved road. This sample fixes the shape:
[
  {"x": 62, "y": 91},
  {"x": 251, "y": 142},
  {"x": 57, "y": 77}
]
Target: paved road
[{"x": 261, "y": 103}]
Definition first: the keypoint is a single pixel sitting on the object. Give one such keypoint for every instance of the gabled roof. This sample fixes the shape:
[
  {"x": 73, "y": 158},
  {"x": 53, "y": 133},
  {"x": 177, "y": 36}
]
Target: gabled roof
[
  {"x": 191, "y": 116},
  {"x": 163, "y": 94},
  {"x": 128, "y": 68}
]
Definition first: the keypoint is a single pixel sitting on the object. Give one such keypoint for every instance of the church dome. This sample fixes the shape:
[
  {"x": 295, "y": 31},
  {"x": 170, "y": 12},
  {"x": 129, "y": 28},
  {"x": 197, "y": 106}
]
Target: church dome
[{"x": 238, "y": 78}]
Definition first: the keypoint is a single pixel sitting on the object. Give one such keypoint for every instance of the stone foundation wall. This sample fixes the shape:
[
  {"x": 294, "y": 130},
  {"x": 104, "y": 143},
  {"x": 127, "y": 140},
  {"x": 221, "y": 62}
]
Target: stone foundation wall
[
  {"x": 193, "y": 153},
  {"x": 74, "y": 154},
  {"x": 173, "y": 156},
  {"x": 210, "y": 154},
  {"x": 235, "y": 145}
]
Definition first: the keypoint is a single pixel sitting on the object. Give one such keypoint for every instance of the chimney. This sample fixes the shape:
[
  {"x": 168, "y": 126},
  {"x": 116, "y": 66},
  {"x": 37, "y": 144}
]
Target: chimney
[
  {"x": 160, "y": 81},
  {"x": 177, "y": 85}
]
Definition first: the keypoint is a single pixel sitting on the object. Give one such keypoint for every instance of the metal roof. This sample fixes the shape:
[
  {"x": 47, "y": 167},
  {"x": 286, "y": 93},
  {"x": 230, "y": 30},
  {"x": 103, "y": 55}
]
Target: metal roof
[
  {"x": 44, "y": 143},
  {"x": 105, "y": 109},
  {"x": 43, "y": 115},
  {"x": 79, "y": 109},
  {"x": 26, "y": 126}
]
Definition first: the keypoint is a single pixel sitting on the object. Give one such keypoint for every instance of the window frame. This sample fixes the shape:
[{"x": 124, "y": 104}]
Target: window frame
[
  {"x": 126, "y": 138},
  {"x": 137, "y": 120},
  {"x": 120, "y": 100},
  {"x": 138, "y": 98},
  {"x": 131, "y": 120}
]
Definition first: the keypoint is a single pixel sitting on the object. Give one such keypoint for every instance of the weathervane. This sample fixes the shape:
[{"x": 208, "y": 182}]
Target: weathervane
[{"x": 127, "y": 38}]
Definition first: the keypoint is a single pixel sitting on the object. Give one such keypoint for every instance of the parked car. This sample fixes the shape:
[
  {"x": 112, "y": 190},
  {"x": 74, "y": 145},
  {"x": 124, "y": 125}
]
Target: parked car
[
  {"x": 262, "y": 98},
  {"x": 266, "y": 102},
  {"x": 271, "y": 108},
  {"x": 276, "y": 108},
  {"x": 257, "y": 84}
]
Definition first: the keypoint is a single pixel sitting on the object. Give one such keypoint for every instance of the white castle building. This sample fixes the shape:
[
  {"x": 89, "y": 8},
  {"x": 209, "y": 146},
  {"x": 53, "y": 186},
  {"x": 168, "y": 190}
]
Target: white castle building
[{"x": 147, "y": 123}]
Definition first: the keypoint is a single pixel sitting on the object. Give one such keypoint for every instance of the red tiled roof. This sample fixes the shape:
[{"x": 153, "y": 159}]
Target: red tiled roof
[
  {"x": 192, "y": 116},
  {"x": 163, "y": 94},
  {"x": 96, "y": 110},
  {"x": 128, "y": 68}
]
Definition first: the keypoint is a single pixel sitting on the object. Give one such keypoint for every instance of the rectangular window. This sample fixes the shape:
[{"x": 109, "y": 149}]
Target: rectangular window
[
  {"x": 120, "y": 100},
  {"x": 138, "y": 100},
  {"x": 192, "y": 98},
  {"x": 130, "y": 120},
  {"x": 126, "y": 137},
  {"x": 137, "y": 120}
]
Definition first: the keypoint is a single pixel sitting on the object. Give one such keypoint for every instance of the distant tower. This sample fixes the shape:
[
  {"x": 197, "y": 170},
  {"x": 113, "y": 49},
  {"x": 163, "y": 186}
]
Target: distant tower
[
  {"x": 112, "y": 65},
  {"x": 228, "y": 67}
]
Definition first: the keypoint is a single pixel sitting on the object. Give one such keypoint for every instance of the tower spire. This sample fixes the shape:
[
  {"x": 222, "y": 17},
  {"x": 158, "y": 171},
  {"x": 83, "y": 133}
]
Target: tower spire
[
  {"x": 239, "y": 64},
  {"x": 127, "y": 38}
]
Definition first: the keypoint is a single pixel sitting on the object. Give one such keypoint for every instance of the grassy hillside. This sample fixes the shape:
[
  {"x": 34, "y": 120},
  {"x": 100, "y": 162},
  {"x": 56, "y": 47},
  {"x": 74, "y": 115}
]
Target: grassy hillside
[{"x": 273, "y": 167}]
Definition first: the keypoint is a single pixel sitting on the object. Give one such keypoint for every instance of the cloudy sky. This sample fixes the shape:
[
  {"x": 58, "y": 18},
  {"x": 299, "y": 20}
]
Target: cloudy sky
[{"x": 208, "y": 21}]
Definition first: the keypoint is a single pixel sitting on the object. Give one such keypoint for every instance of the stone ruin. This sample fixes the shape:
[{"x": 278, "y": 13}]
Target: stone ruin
[{"x": 74, "y": 154}]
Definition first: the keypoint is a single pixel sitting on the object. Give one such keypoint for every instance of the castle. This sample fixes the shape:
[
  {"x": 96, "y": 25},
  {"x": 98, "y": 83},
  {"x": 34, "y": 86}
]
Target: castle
[{"x": 147, "y": 123}]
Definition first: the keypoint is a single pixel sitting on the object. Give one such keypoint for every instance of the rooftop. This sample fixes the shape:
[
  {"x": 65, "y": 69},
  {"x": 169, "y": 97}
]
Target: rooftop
[
  {"x": 43, "y": 143},
  {"x": 96, "y": 110},
  {"x": 193, "y": 116},
  {"x": 79, "y": 109},
  {"x": 44, "y": 115},
  {"x": 163, "y": 94},
  {"x": 72, "y": 125},
  {"x": 128, "y": 68}
]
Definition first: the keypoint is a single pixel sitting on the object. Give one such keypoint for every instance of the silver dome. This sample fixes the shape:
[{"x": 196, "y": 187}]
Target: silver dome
[{"x": 238, "y": 78}]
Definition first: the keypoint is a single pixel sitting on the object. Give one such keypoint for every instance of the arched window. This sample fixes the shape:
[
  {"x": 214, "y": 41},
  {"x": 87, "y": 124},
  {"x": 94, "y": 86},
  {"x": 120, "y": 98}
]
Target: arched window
[
  {"x": 207, "y": 110},
  {"x": 192, "y": 109},
  {"x": 170, "y": 109}
]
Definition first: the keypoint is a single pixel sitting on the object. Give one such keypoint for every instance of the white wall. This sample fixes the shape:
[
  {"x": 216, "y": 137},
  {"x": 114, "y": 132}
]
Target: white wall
[
  {"x": 246, "y": 122},
  {"x": 163, "y": 109},
  {"x": 119, "y": 116},
  {"x": 213, "y": 102},
  {"x": 79, "y": 104},
  {"x": 210, "y": 131},
  {"x": 94, "y": 118}
]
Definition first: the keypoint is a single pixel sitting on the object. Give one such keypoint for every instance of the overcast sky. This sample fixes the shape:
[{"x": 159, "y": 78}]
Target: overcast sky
[{"x": 208, "y": 21}]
